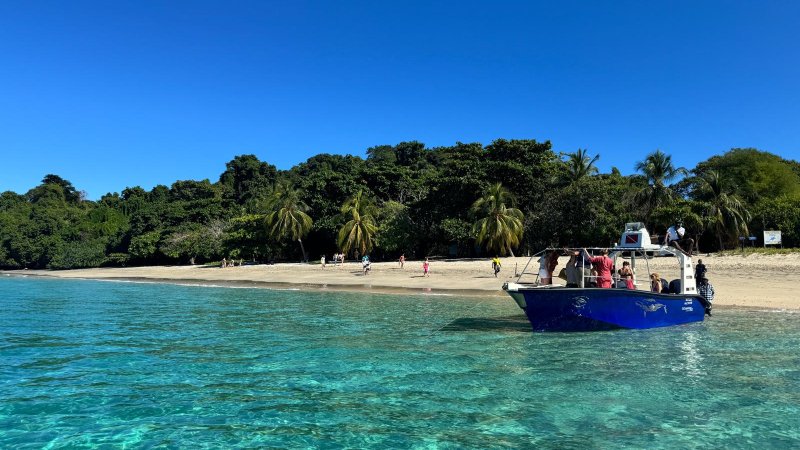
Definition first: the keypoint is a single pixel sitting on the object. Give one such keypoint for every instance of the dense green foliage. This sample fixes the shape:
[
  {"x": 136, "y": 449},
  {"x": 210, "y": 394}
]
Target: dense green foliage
[{"x": 404, "y": 198}]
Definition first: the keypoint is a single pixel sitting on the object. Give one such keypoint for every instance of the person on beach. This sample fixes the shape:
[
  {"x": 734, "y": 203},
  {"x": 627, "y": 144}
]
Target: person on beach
[
  {"x": 655, "y": 283},
  {"x": 425, "y": 267},
  {"x": 402, "y": 260},
  {"x": 496, "y": 265},
  {"x": 699, "y": 270},
  {"x": 626, "y": 274},
  {"x": 224, "y": 263},
  {"x": 366, "y": 264},
  {"x": 322, "y": 261}
]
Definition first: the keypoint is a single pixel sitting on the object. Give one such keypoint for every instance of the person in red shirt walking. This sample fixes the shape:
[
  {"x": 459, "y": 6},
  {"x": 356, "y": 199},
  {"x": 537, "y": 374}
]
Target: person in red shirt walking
[{"x": 604, "y": 266}]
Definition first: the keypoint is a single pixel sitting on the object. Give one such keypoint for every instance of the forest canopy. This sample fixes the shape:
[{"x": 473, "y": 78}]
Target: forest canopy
[{"x": 464, "y": 200}]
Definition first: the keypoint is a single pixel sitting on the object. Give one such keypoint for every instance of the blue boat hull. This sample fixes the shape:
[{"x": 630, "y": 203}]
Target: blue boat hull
[{"x": 583, "y": 309}]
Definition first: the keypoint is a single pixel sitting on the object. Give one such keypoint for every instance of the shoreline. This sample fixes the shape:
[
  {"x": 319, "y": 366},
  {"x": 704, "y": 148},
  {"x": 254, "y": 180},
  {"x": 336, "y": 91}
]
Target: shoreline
[
  {"x": 757, "y": 281},
  {"x": 276, "y": 286},
  {"x": 382, "y": 290}
]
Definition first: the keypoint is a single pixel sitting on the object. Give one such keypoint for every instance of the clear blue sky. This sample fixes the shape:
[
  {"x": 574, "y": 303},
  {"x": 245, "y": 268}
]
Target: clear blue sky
[{"x": 110, "y": 94}]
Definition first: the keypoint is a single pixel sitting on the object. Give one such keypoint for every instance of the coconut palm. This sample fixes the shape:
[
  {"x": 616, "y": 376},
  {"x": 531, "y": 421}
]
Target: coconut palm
[
  {"x": 287, "y": 216},
  {"x": 579, "y": 165},
  {"x": 725, "y": 212},
  {"x": 499, "y": 226},
  {"x": 658, "y": 169},
  {"x": 358, "y": 233}
]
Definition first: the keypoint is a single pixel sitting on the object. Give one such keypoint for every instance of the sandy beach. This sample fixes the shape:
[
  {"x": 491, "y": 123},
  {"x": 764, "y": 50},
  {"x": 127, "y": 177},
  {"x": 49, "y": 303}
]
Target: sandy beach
[{"x": 760, "y": 281}]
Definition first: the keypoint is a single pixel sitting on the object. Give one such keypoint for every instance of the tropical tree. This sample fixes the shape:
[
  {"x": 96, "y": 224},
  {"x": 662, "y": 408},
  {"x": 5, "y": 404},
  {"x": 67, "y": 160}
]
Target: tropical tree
[
  {"x": 725, "y": 213},
  {"x": 358, "y": 233},
  {"x": 579, "y": 165},
  {"x": 658, "y": 170},
  {"x": 287, "y": 217},
  {"x": 499, "y": 226}
]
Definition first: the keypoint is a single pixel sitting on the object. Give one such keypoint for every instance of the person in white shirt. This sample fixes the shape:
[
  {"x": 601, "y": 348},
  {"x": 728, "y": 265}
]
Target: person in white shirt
[{"x": 676, "y": 238}]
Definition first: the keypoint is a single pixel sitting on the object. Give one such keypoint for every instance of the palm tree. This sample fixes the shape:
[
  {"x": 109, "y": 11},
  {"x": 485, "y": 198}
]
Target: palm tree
[
  {"x": 658, "y": 169},
  {"x": 579, "y": 165},
  {"x": 287, "y": 216},
  {"x": 359, "y": 232},
  {"x": 499, "y": 226},
  {"x": 726, "y": 213}
]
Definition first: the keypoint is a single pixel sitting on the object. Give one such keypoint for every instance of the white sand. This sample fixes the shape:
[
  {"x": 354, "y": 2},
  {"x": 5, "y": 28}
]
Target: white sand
[{"x": 753, "y": 281}]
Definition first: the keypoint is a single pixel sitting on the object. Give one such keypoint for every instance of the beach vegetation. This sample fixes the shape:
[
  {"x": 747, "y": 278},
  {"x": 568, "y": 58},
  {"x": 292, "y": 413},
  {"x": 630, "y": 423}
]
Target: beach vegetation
[
  {"x": 287, "y": 217},
  {"x": 724, "y": 212},
  {"x": 499, "y": 225},
  {"x": 401, "y": 198},
  {"x": 358, "y": 233},
  {"x": 580, "y": 165},
  {"x": 658, "y": 171}
]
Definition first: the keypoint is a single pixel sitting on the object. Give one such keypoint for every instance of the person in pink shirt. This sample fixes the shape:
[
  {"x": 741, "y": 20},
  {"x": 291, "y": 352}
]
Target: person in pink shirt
[{"x": 604, "y": 266}]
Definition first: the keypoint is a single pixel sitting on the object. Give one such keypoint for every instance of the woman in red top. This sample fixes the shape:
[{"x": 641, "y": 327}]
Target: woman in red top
[{"x": 604, "y": 266}]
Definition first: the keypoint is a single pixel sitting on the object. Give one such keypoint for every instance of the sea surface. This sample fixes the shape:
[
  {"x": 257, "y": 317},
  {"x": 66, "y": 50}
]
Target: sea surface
[{"x": 87, "y": 364}]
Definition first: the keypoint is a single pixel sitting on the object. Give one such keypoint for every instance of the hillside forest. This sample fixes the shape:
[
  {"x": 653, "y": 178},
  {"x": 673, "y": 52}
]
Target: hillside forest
[{"x": 465, "y": 200}]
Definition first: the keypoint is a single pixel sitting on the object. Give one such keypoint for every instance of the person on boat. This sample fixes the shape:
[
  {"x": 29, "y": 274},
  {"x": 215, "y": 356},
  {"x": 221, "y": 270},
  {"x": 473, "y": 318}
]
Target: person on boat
[
  {"x": 626, "y": 274},
  {"x": 655, "y": 282},
  {"x": 496, "y": 265},
  {"x": 572, "y": 271},
  {"x": 699, "y": 270},
  {"x": 603, "y": 264},
  {"x": 547, "y": 264},
  {"x": 676, "y": 238},
  {"x": 584, "y": 264}
]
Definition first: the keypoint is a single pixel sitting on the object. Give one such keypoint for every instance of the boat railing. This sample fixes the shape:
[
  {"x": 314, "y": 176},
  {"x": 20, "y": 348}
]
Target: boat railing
[{"x": 613, "y": 252}]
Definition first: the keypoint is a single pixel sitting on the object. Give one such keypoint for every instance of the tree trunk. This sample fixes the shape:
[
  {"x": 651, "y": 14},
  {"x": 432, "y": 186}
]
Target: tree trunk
[
  {"x": 303, "y": 249},
  {"x": 511, "y": 251}
]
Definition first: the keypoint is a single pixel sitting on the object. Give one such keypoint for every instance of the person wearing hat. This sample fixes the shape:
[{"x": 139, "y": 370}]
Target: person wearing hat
[
  {"x": 676, "y": 238},
  {"x": 706, "y": 290}
]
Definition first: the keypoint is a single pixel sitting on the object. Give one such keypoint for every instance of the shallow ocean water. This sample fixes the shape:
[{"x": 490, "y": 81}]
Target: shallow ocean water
[{"x": 87, "y": 364}]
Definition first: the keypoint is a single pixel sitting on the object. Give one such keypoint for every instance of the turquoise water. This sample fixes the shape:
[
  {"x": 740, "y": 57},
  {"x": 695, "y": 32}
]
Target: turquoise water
[{"x": 101, "y": 364}]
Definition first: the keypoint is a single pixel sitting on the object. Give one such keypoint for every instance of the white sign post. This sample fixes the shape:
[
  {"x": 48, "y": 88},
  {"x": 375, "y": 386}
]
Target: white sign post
[{"x": 772, "y": 238}]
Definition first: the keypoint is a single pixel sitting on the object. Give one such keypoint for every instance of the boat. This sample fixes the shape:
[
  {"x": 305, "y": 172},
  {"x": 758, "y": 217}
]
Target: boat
[{"x": 554, "y": 307}]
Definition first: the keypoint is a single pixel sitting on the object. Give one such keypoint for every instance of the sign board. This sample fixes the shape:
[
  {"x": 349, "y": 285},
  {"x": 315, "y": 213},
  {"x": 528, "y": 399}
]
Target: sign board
[{"x": 772, "y": 237}]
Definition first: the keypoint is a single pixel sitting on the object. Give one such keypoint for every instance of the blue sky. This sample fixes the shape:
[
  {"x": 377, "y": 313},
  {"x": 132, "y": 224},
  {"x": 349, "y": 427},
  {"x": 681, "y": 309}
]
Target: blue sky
[{"x": 116, "y": 94}]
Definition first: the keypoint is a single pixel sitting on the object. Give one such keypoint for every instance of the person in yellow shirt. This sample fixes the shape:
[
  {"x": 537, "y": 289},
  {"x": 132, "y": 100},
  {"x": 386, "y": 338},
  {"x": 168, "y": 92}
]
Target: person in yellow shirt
[{"x": 496, "y": 265}]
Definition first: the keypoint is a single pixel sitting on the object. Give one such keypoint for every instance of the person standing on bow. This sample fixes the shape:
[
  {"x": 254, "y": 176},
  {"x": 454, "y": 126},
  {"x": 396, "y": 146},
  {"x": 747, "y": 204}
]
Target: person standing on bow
[{"x": 604, "y": 266}]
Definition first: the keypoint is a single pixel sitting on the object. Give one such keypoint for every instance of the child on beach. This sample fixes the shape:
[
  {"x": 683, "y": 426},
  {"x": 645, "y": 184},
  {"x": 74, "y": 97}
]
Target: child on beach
[
  {"x": 425, "y": 266},
  {"x": 402, "y": 260}
]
